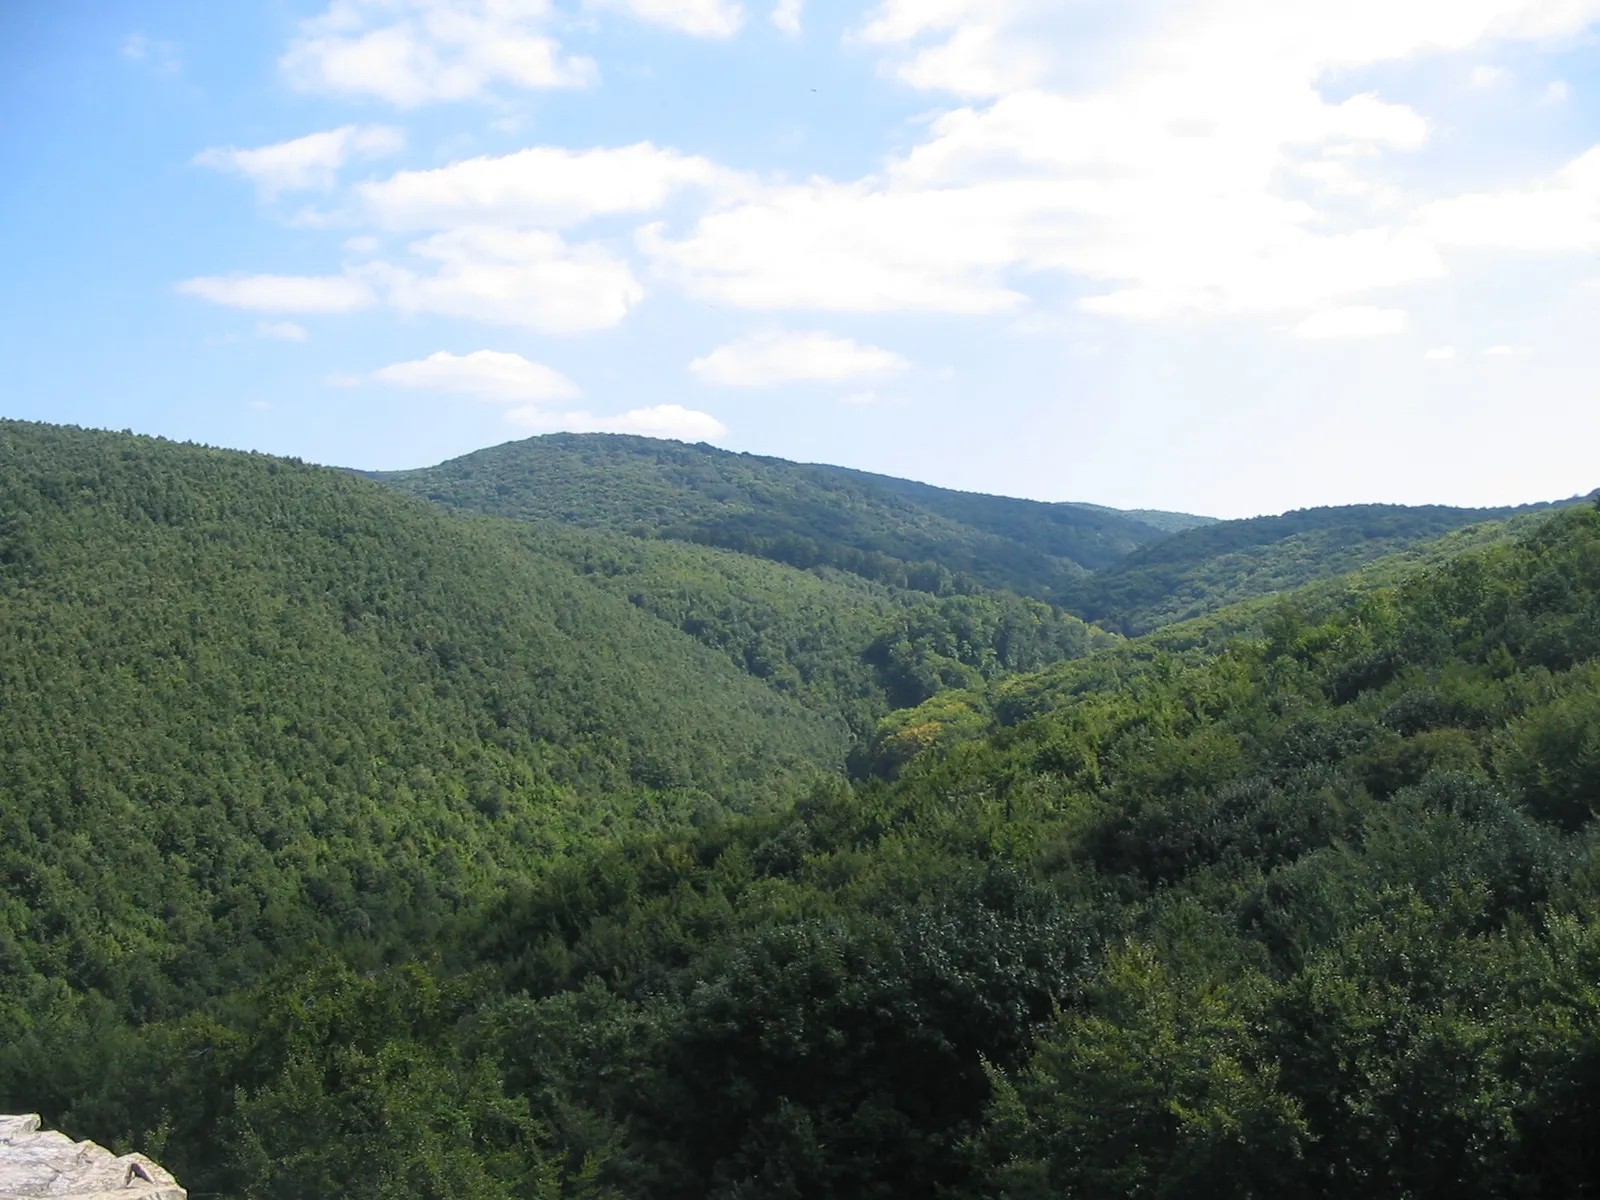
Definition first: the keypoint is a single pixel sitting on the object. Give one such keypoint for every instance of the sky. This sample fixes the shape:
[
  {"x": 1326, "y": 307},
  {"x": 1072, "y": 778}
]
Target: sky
[{"x": 1218, "y": 256}]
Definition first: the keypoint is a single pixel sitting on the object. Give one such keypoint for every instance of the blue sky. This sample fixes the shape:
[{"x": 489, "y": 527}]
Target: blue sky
[{"x": 1228, "y": 256}]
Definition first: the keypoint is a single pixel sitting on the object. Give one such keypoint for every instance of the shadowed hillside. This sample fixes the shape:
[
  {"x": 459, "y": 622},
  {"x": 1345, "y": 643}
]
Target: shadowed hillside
[
  {"x": 1129, "y": 572},
  {"x": 1307, "y": 912},
  {"x": 889, "y": 530},
  {"x": 1196, "y": 571},
  {"x": 250, "y": 704}
]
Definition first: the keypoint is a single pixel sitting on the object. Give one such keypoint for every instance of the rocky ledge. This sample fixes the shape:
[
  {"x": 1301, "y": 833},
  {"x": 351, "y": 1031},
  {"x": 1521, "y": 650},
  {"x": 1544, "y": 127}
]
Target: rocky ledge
[{"x": 37, "y": 1163}]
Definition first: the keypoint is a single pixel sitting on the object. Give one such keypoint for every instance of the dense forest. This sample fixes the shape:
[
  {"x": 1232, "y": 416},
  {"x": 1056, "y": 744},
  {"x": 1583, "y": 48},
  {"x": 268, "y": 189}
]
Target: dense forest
[
  {"x": 1129, "y": 572},
  {"x": 352, "y": 845},
  {"x": 284, "y": 682},
  {"x": 1197, "y": 571},
  {"x": 840, "y": 644},
  {"x": 889, "y": 530}
]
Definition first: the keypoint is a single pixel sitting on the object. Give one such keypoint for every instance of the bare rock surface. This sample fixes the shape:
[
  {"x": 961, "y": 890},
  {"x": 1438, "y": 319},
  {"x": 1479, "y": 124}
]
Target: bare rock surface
[{"x": 37, "y": 1163}]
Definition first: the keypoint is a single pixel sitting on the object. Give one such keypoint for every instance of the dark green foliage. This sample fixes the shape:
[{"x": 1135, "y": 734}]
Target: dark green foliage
[
  {"x": 1553, "y": 755},
  {"x": 831, "y": 640},
  {"x": 1199, "y": 570},
  {"x": 1313, "y": 912},
  {"x": 905, "y": 534},
  {"x": 1126, "y": 571},
  {"x": 324, "y": 1082},
  {"x": 249, "y": 705},
  {"x": 961, "y": 641}
]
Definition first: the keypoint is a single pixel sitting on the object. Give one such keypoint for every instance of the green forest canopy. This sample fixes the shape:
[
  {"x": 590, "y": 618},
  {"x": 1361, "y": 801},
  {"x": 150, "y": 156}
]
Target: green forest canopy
[
  {"x": 1126, "y": 571},
  {"x": 327, "y": 709},
  {"x": 890, "y": 530},
  {"x": 1308, "y": 909},
  {"x": 1199, "y": 570}
]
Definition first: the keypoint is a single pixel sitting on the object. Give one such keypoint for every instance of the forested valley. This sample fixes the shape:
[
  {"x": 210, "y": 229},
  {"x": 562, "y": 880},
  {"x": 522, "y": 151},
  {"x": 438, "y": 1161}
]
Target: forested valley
[{"x": 596, "y": 817}]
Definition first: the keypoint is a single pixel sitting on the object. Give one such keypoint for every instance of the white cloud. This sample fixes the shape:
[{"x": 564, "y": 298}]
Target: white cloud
[
  {"x": 1440, "y": 353},
  {"x": 849, "y": 248},
  {"x": 1158, "y": 173},
  {"x": 1557, "y": 92},
  {"x": 1163, "y": 183},
  {"x": 312, "y": 161},
  {"x": 868, "y": 399},
  {"x": 1234, "y": 48},
  {"x": 976, "y": 58},
  {"x": 1487, "y": 76},
  {"x": 942, "y": 240},
  {"x": 508, "y": 277},
  {"x": 1504, "y": 351},
  {"x": 282, "y": 331},
  {"x": 1561, "y": 213},
  {"x": 1174, "y": 161},
  {"x": 701, "y": 18},
  {"x": 542, "y": 185},
  {"x": 775, "y": 357},
  {"x": 282, "y": 293},
  {"x": 160, "y": 57},
  {"x": 786, "y": 16},
  {"x": 413, "y": 52},
  {"x": 487, "y": 374},
  {"x": 1356, "y": 321},
  {"x": 660, "y": 421}
]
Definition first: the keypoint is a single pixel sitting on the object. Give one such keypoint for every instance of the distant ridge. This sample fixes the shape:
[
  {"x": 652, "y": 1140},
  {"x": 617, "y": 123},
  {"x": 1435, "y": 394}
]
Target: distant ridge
[
  {"x": 1128, "y": 571},
  {"x": 895, "y": 531},
  {"x": 1199, "y": 570}
]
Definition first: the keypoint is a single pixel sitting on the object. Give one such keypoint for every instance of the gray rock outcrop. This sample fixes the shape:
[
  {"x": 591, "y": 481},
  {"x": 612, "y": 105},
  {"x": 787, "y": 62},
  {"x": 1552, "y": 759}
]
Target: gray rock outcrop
[{"x": 37, "y": 1163}]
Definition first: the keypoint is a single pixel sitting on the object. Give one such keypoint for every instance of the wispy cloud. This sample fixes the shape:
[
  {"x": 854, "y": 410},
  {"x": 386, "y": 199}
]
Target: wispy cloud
[
  {"x": 1161, "y": 187},
  {"x": 281, "y": 331},
  {"x": 786, "y": 16},
  {"x": 282, "y": 293},
  {"x": 415, "y": 52},
  {"x": 661, "y": 421},
  {"x": 1558, "y": 213},
  {"x": 160, "y": 57},
  {"x": 778, "y": 357},
  {"x": 1352, "y": 322},
  {"x": 538, "y": 186},
  {"x": 486, "y": 374},
  {"x": 509, "y": 277},
  {"x": 312, "y": 161},
  {"x": 699, "y": 18}
]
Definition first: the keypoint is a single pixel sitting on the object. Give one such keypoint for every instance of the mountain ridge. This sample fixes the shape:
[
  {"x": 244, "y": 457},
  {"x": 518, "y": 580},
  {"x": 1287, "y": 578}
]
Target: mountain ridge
[
  {"x": 1129, "y": 571},
  {"x": 803, "y": 514}
]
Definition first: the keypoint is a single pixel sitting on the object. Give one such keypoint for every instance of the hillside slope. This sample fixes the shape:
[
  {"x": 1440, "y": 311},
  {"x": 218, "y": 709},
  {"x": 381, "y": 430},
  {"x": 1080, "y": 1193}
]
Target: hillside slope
[
  {"x": 1198, "y": 570},
  {"x": 890, "y": 530},
  {"x": 247, "y": 704},
  {"x": 840, "y": 644},
  {"x": 1129, "y": 572},
  {"x": 1307, "y": 914}
]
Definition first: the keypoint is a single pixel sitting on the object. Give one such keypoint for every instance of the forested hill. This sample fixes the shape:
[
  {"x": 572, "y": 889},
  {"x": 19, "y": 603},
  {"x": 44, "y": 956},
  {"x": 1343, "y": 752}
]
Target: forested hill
[
  {"x": 246, "y": 703},
  {"x": 1199, "y": 570},
  {"x": 844, "y": 646},
  {"x": 891, "y": 530},
  {"x": 1129, "y": 572},
  {"x": 295, "y": 682},
  {"x": 1312, "y": 913}
]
